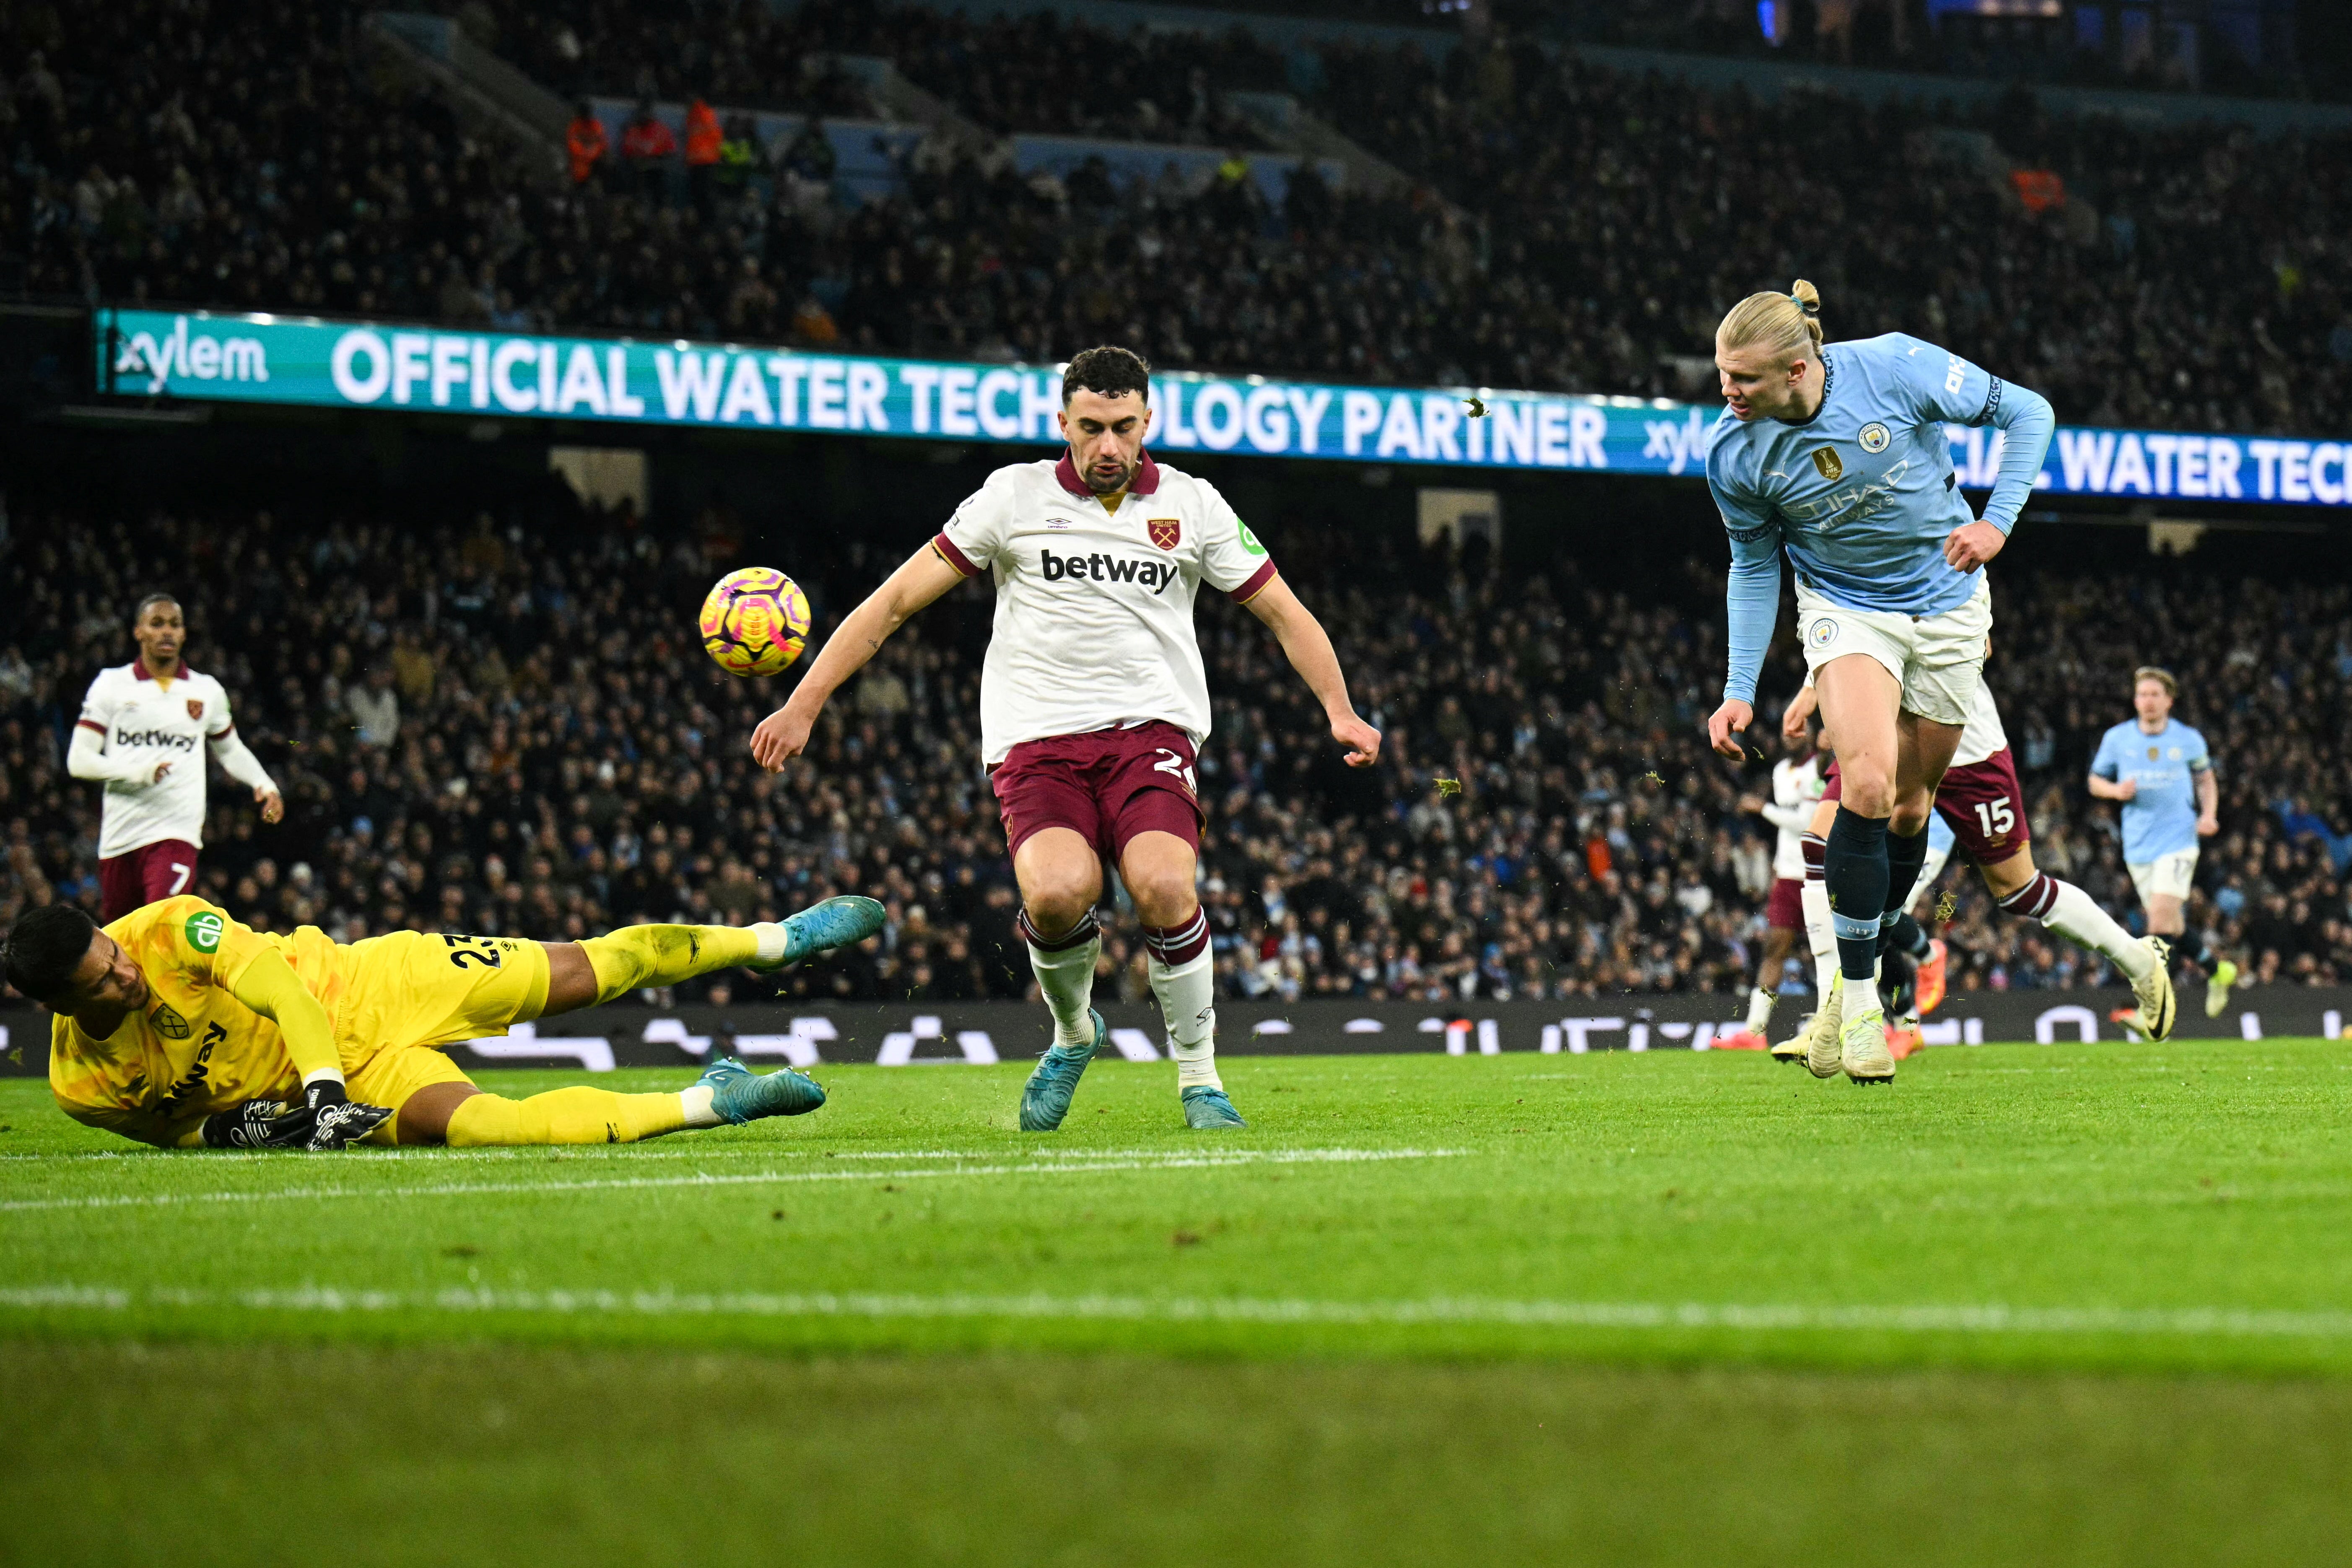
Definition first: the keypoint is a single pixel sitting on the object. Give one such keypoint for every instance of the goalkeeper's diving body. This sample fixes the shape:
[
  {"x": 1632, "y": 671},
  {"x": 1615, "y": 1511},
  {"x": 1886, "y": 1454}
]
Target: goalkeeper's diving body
[{"x": 178, "y": 1026}]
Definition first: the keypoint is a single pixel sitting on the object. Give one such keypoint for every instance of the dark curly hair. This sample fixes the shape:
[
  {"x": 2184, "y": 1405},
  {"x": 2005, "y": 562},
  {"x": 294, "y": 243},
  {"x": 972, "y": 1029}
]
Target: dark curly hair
[
  {"x": 1109, "y": 371},
  {"x": 45, "y": 947}
]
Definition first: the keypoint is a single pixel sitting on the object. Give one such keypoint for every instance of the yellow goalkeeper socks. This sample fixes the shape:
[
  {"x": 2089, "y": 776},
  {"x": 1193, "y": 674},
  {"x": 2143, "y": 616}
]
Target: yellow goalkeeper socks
[
  {"x": 576, "y": 1115},
  {"x": 638, "y": 956}
]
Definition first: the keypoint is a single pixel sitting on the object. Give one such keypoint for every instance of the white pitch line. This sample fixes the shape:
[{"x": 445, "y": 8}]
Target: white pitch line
[
  {"x": 1991, "y": 1318},
  {"x": 684, "y": 1146},
  {"x": 1077, "y": 1165}
]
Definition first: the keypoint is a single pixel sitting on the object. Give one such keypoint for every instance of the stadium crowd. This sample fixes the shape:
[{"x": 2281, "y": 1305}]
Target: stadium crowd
[
  {"x": 1577, "y": 229},
  {"x": 501, "y": 726}
]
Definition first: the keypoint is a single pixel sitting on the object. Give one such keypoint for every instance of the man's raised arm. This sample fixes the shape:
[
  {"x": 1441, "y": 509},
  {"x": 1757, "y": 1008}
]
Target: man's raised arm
[
  {"x": 1309, "y": 648},
  {"x": 783, "y": 735}
]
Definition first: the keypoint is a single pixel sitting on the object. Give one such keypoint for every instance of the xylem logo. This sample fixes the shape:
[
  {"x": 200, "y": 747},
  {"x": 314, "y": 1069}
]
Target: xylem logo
[
  {"x": 1153, "y": 575},
  {"x": 179, "y": 354}
]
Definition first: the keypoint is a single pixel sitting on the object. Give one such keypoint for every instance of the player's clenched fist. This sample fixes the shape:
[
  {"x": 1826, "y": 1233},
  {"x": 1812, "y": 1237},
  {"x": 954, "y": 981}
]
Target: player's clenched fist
[
  {"x": 782, "y": 736},
  {"x": 1972, "y": 544},
  {"x": 1731, "y": 719},
  {"x": 1363, "y": 741}
]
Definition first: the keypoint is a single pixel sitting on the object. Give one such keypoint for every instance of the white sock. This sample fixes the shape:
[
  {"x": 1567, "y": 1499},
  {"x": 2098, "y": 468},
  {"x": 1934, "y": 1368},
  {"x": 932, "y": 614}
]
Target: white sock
[
  {"x": 1188, "y": 1001},
  {"x": 2083, "y": 923},
  {"x": 1933, "y": 869},
  {"x": 772, "y": 939},
  {"x": 1760, "y": 1009},
  {"x": 1821, "y": 932},
  {"x": 696, "y": 1104},
  {"x": 1066, "y": 976}
]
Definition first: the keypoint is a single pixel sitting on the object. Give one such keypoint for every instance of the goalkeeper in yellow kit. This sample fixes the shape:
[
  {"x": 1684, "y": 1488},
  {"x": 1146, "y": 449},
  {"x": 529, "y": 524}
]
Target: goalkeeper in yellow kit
[{"x": 179, "y": 1026}]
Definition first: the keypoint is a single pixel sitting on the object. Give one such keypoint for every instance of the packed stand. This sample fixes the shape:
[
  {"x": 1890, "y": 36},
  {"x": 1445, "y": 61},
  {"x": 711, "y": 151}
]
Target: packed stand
[
  {"x": 2179, "y": 277},
  {"x": 505, "y": 727},
  {"x": 241, "y": 154},
  {"x": 1038, "y": 73}
]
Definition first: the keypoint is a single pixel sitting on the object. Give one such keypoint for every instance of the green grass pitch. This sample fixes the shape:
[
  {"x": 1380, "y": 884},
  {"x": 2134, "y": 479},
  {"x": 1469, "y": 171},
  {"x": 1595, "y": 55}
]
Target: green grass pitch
[{"x": 2068, "y": 1304}]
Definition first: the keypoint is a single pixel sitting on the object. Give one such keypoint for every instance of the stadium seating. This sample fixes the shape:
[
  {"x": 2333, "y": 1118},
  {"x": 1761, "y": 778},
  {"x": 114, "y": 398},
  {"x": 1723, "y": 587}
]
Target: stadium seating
[
  {"x": 1573, "y": 234},
  {"x": 560, "y": 756}
]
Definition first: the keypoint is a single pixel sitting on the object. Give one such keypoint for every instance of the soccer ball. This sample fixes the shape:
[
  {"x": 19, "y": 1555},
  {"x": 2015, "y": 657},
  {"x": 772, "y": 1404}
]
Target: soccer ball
[{"x": 755, "y": 621}]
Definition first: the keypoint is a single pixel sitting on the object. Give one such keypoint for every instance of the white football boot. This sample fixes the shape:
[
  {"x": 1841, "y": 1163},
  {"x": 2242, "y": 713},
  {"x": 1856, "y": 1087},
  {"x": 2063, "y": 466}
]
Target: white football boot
[
  {"x": 1862, "y": 1047},
  {"x": 1822, "y": 1054},
  {"x": 2157, "y": 1006}
]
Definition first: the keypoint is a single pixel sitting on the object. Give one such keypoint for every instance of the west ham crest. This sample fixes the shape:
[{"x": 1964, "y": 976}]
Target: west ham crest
[
  {"x": 1165, "y": 531},
  {"x": 196, "y": 708}
]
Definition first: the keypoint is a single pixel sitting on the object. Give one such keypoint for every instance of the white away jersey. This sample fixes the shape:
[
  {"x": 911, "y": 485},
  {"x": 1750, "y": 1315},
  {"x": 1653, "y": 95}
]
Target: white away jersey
[
  {"x": 1094, "y": 609},
  {"x": 138, "y": 716},
  {"x": 1797, "y": 786}
]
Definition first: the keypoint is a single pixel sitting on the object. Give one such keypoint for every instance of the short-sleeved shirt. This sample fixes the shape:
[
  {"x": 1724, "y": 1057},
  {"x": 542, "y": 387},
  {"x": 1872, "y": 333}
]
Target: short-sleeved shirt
[
  {"x": 196, "y": 1048},
  {"x": 1864, "y": 493},
  {"x": 155, "y": 721},
  {"x": 2160, "y": 818},
  {"x": 1094, "y": 608}
]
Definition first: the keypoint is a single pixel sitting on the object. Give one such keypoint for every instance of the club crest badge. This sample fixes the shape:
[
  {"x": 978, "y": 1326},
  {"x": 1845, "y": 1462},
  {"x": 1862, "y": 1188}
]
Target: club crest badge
[
  {"x": 1165, "y": 531},
  {"x": 168, "y": 1024},
  {"x": 1875, "y": 438},
  {"x": 196, "y": 708},
  {"x": 1821, "y": 632},
  {"x": 1826, "y": 459}
]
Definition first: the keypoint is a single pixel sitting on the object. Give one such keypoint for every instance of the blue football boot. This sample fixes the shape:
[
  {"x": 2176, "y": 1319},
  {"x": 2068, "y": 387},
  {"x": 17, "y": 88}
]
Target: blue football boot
[
  {"x": 840, "y": 921},
  {"x": 1046, "y": 1098},
  {"x": 1206, "y": 1110},
  {"x": 738, "y": 1095}
]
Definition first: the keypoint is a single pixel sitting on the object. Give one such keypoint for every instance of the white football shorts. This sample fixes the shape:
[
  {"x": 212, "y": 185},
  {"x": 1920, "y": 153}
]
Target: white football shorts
[
  {"x": 1938, "y": 659},
  {"x": 2166, "y": 875}
]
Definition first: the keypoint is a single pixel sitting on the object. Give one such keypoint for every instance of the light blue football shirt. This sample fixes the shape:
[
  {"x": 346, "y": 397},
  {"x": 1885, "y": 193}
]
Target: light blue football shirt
[
  {"x": 1862, "y": 494},
  {"x": 2161, "y": 818}
]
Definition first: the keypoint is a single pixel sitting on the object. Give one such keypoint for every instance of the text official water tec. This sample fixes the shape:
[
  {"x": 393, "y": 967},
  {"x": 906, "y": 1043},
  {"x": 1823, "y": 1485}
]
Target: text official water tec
[{"x": 424, "y": 369}]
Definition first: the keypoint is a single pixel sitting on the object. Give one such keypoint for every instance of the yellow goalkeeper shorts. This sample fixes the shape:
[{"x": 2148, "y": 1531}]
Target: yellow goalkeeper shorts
[{"x": 410, "y": 991}]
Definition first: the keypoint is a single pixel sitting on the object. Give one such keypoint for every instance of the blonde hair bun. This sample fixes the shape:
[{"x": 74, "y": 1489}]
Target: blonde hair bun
[{"x": 1787, "y": 325}]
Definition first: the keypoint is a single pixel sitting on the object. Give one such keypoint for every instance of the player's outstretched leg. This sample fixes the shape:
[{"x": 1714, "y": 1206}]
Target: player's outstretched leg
[
  {"x": 2065, "y": 909},
  {"x": 726, "y": 1092},
  {"x": 737, "y": 1094},
  {"x": 637, "y": 957}
]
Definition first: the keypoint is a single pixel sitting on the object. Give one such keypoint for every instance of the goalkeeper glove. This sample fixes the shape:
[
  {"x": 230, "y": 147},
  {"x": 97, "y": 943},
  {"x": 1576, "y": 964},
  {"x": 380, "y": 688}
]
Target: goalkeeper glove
[
  {"x": 323, "y": 1119},
  {"x": 336, "y": 1120},
  {"x": 260, "y": 1124}
]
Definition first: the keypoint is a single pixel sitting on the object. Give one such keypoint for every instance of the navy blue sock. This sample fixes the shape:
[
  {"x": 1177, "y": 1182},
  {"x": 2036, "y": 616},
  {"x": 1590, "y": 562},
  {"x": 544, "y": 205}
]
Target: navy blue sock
[
  {"x": 1905, "y": 857},
  {"x": 2190, "y": 945},
  {"x": 1899, "y": 932},
  {"x": 1856, "y": 872}
]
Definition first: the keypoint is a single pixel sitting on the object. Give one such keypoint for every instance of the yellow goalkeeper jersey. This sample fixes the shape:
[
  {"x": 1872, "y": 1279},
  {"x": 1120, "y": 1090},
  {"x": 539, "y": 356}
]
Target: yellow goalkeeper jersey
[{"x": 195, "y": 1048}]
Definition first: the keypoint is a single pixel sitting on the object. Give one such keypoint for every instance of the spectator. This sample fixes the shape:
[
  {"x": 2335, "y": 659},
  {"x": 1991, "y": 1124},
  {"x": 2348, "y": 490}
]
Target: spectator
[
  {"x": 703, "y": 141},
  {"x": 741, "y": 159},
  {"x": 650, "y": 146},
  {"x": 808, "y": 165},
  {"x": 583, "y": 140},
  {"x": 375, "y": 709}
]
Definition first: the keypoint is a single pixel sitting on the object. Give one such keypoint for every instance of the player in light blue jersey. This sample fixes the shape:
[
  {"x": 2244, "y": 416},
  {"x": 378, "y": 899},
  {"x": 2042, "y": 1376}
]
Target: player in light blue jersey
[
  {"x": 1838, "y": 456},
  {"x": 2159, "y": 768}
]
